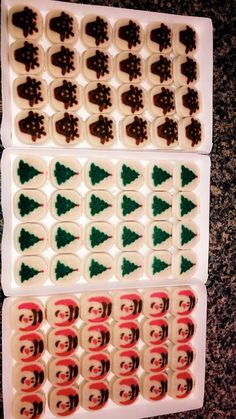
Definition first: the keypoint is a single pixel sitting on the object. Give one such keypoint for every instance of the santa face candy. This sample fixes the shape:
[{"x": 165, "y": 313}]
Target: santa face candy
[
  {"x": 125, "y": 391},
  {"x": 94, "y": 396},
  {"x": 154, "y": 332},
  {"x": 29, "y": 378},
  {"x": 95, "y": 338},
  {"x": 154, "y": 386},
  {"x": 62, "y": 342},
  {"x": 154, "y": 358},
  {"x": 181, "y": 384},
  {"x": 31, "y": 405},
  {"x": 61, "y": 27},
  {"x": 25, "y": 22},
  {"x": 126, "y": 305},
  {"x": 183, "y": 301},
  {"x": 95, "y": 367},
  {"x": 63, "y": 372},
  {"x": 28, "y": 347},
  {"x": 63, "y": 401},
  {"x": 182, "y": 356},
  {"x": 95, "y": 308},
  {"x": 62, "y": 311},
  {"x": 182, "y": 329},
  {"x": 156, "y": 303},
  {"x": 125, "y": 362},
  {"x": 27, "y": 315},
  {"x": 125, "y": 335}
]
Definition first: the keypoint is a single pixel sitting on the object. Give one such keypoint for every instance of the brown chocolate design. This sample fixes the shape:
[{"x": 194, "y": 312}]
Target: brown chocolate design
[
  {"x": 137, "y": 130},
  {"x": 191, "y": 101},
  {"x": 66, "y": 93},
  {"x": 164, "y": 100},
  {"x": 27, "y": 55},
  {"x": 101, "y": 96},
  {"x": 64, "y": 59},
  {"x": 33, "y": 125},
  {"x": 131, "y": 66},
  {"x": 26, "y": 20},
  {"x": 194, "y": 131},
  {"x": 162, "y": 68},
  {"x": 68, "y": 126},
  {"x": 98, "y": 63},
  {"x": 63, "y": 25},
  {"x": 189, "y": 70},
  {"x": 130, "y": 33},
  {"x": 133, "y": 98},
  {"x": 168, "y": 130},
  {"x": 103, "y": 129},
  {"x": 162, "y": 36},
  {"x": 98, "y": 29},
  {"x": 188, "y": 38},
  {"x": 31, "y": 90}
]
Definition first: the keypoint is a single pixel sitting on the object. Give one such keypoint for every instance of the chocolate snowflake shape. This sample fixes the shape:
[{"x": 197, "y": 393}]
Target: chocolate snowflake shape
[
  {"x": 66, "y": 93},
  {"x": 26, "y": 20},
  {"x": 189, "y": 70},
  {"x": 164, "y": 100},
  {"x": 63, "y": 25},
  {"x": 131, "y": 66},
  {"x": 161, "y": 36},
  {"x": 188, "y": 38},
  {"x": 98, "y": 63},
  {"x": 130, "y": 33},
  {"x": 191, "y": 100},
  {"x": 68, "y": 127},
  {"x": 137, "y": 130},
  {"x": 162, "y": 68},
  {"x": 31, "y": 90},
  {"x": 64, "y": 59},
  {"x": 27, "y": 55},
  {"x": 103, "y": 129},
  {"x": 133, "y": 98},
  {"x": 168, "y": 131},
  {"x": 194, "y": 131},
  {"x": 33, "y": 125},
  {"x": 98, "y": 29},
  {"x": 101, "y": 96}
]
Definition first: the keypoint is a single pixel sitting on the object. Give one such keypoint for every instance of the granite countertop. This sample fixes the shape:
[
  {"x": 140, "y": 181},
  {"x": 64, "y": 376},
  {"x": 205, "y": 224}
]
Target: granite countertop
[{"x": 220, "y": 366}]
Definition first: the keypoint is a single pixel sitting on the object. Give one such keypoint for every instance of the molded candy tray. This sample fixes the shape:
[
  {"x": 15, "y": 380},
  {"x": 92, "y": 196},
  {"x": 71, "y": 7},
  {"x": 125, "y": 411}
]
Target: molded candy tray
[
  {"x": 138, "y": 352},
  {"x": 166, "y": 104},
  {"x": 76, "y": 223}
]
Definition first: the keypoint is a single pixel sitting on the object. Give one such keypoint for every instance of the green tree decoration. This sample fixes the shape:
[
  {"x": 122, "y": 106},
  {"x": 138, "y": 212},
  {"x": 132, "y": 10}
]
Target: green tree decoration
[
  {"x": 96, "y": 268},
  {"x": 186, "y": 235},
  {"x": 158, "y": 265},
  {"x": 26, "y": 272},
  {"x": 63, "y": 205},
  {"x": 97, "y": 174},
  {"x": 186, "y": 206},
  {"x": 159, "y": 206},
  {"x": 185, "y": 264},
  {"x": 97, "y": 237},
  {"x": 128, "y": 205},
  {"x": 62, "y": 270},
  {"x": 27, "y": 205},
  {"x": 129, "y": 236},
  {"x": 26, "y": 172},
  {"x": 159, "y": 235},
  {"x": 97, "y": 205},
  {"x": 63, "y": 238},
  {"x": 159, "y": 175},
  {"x": 187, "y": 175},
  {"x": 128, "y": 175},
  {"x": 27, "y": 239},
  {"x": 128, "y": 267},
  {"x": 62, "y": 173}
]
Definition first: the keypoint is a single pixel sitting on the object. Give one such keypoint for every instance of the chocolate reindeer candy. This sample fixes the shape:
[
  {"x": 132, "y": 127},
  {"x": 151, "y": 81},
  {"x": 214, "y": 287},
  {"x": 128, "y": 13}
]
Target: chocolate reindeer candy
[
  {"x": 159, "y": 37},
  {"x": 125, "y": 334},
  {"x": 95, "y": 366},
  {"x": 94, "y": 396},
  {"x": 31, "y": 406},
  {"x": 28, "y": 347},
  {"x": 165, "y": 132},
  {"x": 129, "y": 34},
  {"x": 61, "y": 27},
  {"x": 27, "y": 314},
  {"x": 160, "y": 69},
  {"x": 62, "y": 342},
  {"x": 25, "y": 22},
  {"x": 162, "y": 101},
  {"x": 127, "y": 305},
  {"x": 125, "y": 362},
  {"x": 186, "y": 71},
  {"x": 154, "y": 332},
  {"x": 183, "y": 301},
  {"x": 95, "y": 308},
  {"x": 67, "y": 128},
  {"x": 185, "y": 40},
  {"x": 62, "y": 311},
  {"x": 63, "y": 372},
  {"x": 99, "y": 97},
  {"x": 181, "y": 356},
  {"x": 135, "y": 131},
  {"x": 30, "y": 92},
  {"x": 32, "y": 127},
  {"x": 154, "y": 386},
  {"x": 65, "y": 94},
  {"x": 63, "y": 401},
  {"x": 131, "y": 99},
  {"x": 156, "y": 303},
  {"x": 97, "y": 64},
  {"x": 101, "y": 131},
  {"x": 29, "y": 378},
  {"x": 154, "y": 358},
  {"x": 95, "y": 337},
  {"x": 181, "y": 384},
  {"x": 130, "y": 67},
  {"x": 96, "y": 31},
  {"x": 191, "y": 133},
  {"x": 63, "y": 61},
  {"x": 125, "y": 391},
  {"x": 188, "y": 101},
  {"x": 182, "y": 329},
  {"x": 27, "y": 57}
]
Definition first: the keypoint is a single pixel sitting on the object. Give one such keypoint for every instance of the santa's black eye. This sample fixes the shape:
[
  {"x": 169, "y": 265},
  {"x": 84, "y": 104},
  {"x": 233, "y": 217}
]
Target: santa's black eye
[
  {"x": 22, "y": 410},
  {"x": 22, "y": 349},
  {"x": 21, "y": 317},
  {"x": 57, "y": 343},
  {"x": 151, "y": 333},
  {"x": 23, "y": 380},
  {"x": 152, "y": 388},
  {"x": 152, "y": 360},
  {"x": 121, "y": 393},
  {"x": 58, "y": 404},
  {"x": 90, "y": 397},
  {"x": 57, "y": 313},
  {"x": 90, "y": 309},
  {"x": 91, "y": 368},
  {"x": 58, "y": 374},
  {"x": 122, "y": 306},
  {"x": 90, "y": 339},
  {"x": 152, "y": 305},
  {"x": 122, "y": 364}
]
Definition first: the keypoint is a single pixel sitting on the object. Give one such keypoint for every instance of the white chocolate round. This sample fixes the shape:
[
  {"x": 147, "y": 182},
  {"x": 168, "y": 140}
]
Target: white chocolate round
[
  {"x": 185, "y": 234},
  {"x": 132, "y": 99},
  {"x": 98, "y": 267},
  {"x": 101, "y": 131},
  {"x": 94, "y": 396},
  {"x": 183, "y": 301},
  {"x": 191, "y": 133},
  {"x": 95, "y": 337},
  {"x": 165, "y": 132},
  {"x": 135, "y": 132},
  {"x": 131, "y": 29},
  {"x": 30, "y": 238},
  {"x": 129, "y": 266},
  {"x": 62, "y": 311},
  {"x": 65, "y": 205},
  {"x": 63, "y": 61},
  {"x": 29, "y": 172},
  {"x": 65, "y": 94},
  {"x": 154, "y": 386},
  {"x": 160, "y": 69},
  {"x": 30, "y": 205},
  {"x": 188, "y": 101},
  {"x": 30, "y": 271},
  {"x": 130, "y": 67},
  {"x": 129, "y": 174},
  {"x": 159, "y": 205},
  {"x": 65, "y": 172},
  {"x": 97, "y": 64},
  {"x": 154, "y": 331},
  {"x": 99, "y": 97},
  {"x": 181, "y": 384},
  {"x": 186, "y": 71},
  {"x": 95, "y": 366},
  {"x": 34, "y": 402},
  {"x": 26, "y": 314},
  {"x": 66, "y": 269},
  {"x": 99, "y": 174},
  {"x": 181, "y": 48},
  {"x": 27, "y": 378},
  {"x": 99, "y": 236},
  {"x": 62, "y": 342},
  {"x": 63, "y": 401},
  {"x": 99, "y": 205},
  {"x": 182, "y": 329},
  {"x": 186, "y": 176},
  {"x": 130, "y": 205},
  {"x": 33, "y": 54},
  {"x": 125, "y": 391},
  {"x": 130, "y": 236},
  {"x": 162, "y": 101},
  {"x": 125, "y": 334},
  {"x": 28, "y": 347},
  {"x": 25, "y": 23},
  {"x": 125, "y": 363},
  {"x": 65, "y": 237},
  {"x": 30, "y": 92},
  {"x": 127, "y": 305},
  {"x": 156, "y": 303},
  {"x": 159, "y": 264},
  {"x": 185, "y": 205},
  {"x": 159, "y": 175},
  {"x": 159, "y": 235},
  {"x": 54, "y": 20},
  {"x": 182, "y": 356},
  {"x": 96, "y": 37},
  {"x": 159, "y": 38},
  {"x": 95, "y": 307},
  {"x": 154, "y": 358},
  {"x": 31, "y": 127},
  {"x": 66, "y": 128},
  {"x": 63, "y": 372}
]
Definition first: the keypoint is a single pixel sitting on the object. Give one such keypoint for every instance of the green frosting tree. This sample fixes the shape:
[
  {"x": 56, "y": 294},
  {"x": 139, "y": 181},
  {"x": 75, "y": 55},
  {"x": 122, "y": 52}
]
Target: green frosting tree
[
  {"x": 128, "y": 267},
  {"x": 187, "y": 175},
  {"x": 96, "y": 268},
  {"x": 97, "y": 205},
  {"x": 27, "y": 272},
  {"x": 27, "y": 239},
  {"x": 129, "y": 236},
  {"x": 26, "y": 172},
  {"x": 97, "y": 237},
  {"x": 62, "y": 270},
  {"x": 185, "y": 265},
  {"x": 128, "y": 175},
  {"x": 159, "y": 175},
  {"x": 27, "y": 205},
  {"x": 159, "y": 205},
  {"x": 63, "y": 238},
  {"x": 186, "y": 235},
  {"x": 128, "y": 205},
  {"x": 158, "y": 265},
  {"x": 159, "y": 235},
  {"x": 62, "y": 173},
  {"x": 186, "y": 206},
  {"x": 63, "y": 205},
  {"x": 97, "y": 174}
]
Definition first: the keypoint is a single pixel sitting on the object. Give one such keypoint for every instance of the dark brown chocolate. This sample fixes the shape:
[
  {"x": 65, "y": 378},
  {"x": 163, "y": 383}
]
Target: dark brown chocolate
[
  {"x": 188, "y": 38},
  {"x": 101, "y": 96},
  {"x": 130, "y": 33},
  {"x": 189, "y": 70},
  {"x": 137, "y": 130},
  {"x": 161, "y": 36},
  {"x": 63, "y": 25},
  {"x": 193, "y": 132},
  {"x": 98, "y": 63},
  {"x": 131, "y": 66},
  {"x": 164, "y": 100},
  {"x": 31, "y": 90},
  {"x": 103, "y": 129},
  {"x": 98, "y": 29},
  {"x": 64, "y": 59},
  {"x": 168, "y": 131},
  {"x": 33, "y": 125},
  {"x": 27, "y": 55},
  {"x": 191, "y": 100},
  {"x": 162, "y": 68},
  {"x": 26, "y": 20},
  {"x": 68, "y": 126},
  {"x": 66, "y": 93},
  {"x": 133, "y": 98}
]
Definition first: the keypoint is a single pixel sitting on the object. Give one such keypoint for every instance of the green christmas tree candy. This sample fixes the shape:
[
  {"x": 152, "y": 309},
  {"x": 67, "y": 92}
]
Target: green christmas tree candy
[
  {"x": 128, "y": 267},
  {"x": 159, "y": 175},
  {"x": 63, "y": 238},
  {"x": 63, "y": 205},
  {"x": 186, "y": 206},
  {"x": 159, "y": 235},
  {"x": 128, "y": 205},
  {"x": 97, "y": 205},
  {"x": 97, "y": 237},
  {"x": 185, "y": 265},
  {"x": 62, "y": 173},
  {"x": 187, "y": 175},
  {"x": 27, "y": 205},
  {"x": 158, "y": 265},
  {"x": 63, "y": 270},
  {"x": 97, "y": 174},
  {"x": 96, "y": 268},
  {"x": 186, "y": 235},
  {"x": 27, "y": 272},
  {"x": 159, "y": 206},
  {"x": 26, "y": 172},
  {"x": 27, "y": 239},
  {"x": 129, "y": 236},
  {"x": 128, "y": 175}
]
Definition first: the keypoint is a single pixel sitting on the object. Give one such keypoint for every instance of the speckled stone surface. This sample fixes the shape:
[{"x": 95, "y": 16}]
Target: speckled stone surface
[{"x": 220, "y": 386}]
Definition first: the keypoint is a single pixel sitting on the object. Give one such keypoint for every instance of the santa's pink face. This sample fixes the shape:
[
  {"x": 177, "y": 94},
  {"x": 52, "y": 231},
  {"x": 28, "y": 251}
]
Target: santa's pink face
[
  {"x": 128, "y": 337},
  {"x": 30, "y": 406},
  {"x": 66, "y": 374},
  {"x": 63, "y": 312},
  {"x": 185, "y": 332},
  {"x": 98, "y": 369},
  {"x": 97, "y": 312},
  {"x": 128, "y": 393},
  {"x": 183, "y": 387},
  {"x": 29, "y": 316},
  {"x": 62, "y": 345},
  {"x": 64, "y": 403},
  {"x": 95, "y": 338},
  {"x": 157, "y": 332},
  {"x": 29, "y": 347},
  {"x": 155, "y": 361},
  {"x": 95, "y": 398},
  {"x": 130, "y": 309},
  {"x": 158, "y": 307},
  {"x": 126, "y": 363},
  {"x": 31, "y": 380},
  {"x": 185, "y": 304},
  {"x": 28, "y": 411},
  {"x": 95, "y": 395},
  {"x": 184, "y": 359},
  {"x": 26, "y": 318}
]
